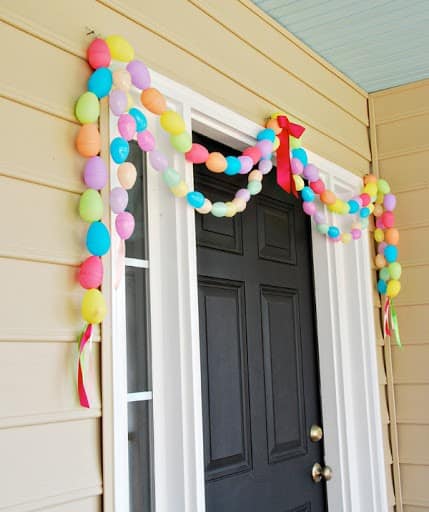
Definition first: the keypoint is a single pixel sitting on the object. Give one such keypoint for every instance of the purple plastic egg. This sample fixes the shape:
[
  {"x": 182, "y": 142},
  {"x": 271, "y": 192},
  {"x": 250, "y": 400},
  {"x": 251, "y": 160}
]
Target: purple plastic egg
[
  {"x": 381, "y": 247},
  {"x": 140, "y": 75},
  {"x": 118, "y": 102},
  {"x": 125, "y": 224},
  {"x": 311, "y": 172},
  {"x": 265, "y": 166},
  {"x": 158, "y": 160},
  {"x": 319, "y": 218},
  {"x": 95, "y": 173},
  {"x": 127, "y": 126},
  {"x": 118, "y": 199},
  {"x": 389, "y": 202},
  {"x": 265, "y": 147},
  {"x": 243, "y": 193},
  {"x": 296, "y": 166},
  {"x": 246, "y": 164},
  {"x": 145, "y": 140}
]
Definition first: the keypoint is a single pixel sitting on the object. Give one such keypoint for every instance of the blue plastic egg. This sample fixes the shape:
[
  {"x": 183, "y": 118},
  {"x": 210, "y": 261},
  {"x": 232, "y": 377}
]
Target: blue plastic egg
[
  {"x": 195, "y": 199},
  {"x": 119, "y": 149},
  {"x": 140, "y": 119},
  {"x": 353, "y": 205},
  {"x": 100, "y": 82},
  {"x": 233, "y": 165},
  {"x": 364, "y": 213},
  {"x": 382, "y": 286},
  {"x": 307, "y": 194},
  {"x": 98, "y": 239},
  {"x": 333, "y": 232},
  {"x": 391, "y": 253},
  {"x": 266, "y": 134},
  {"x": 301, "y": 155}
]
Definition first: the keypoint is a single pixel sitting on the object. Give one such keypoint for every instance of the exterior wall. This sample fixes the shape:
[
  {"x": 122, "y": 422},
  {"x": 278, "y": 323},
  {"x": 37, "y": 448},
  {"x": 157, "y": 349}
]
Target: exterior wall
[
  {"x": 226, "y": 50},
  {"x": 401, "y": 154}
]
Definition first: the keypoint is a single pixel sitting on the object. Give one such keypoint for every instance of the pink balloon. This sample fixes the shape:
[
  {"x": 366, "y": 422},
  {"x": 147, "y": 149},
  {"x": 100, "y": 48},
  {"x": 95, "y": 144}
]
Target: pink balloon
[
  {"x": 118, "y": 199},
  {"x": 146, "y": 140},
  {"x": 95, "y": 173},
  {"x": 127, "y": 126},
  {"x": 91, "y": 273},
  {"x": 125, "y": 225},
  {"x": 118, "y": 102},
  {"x": 140, "y": 75}
]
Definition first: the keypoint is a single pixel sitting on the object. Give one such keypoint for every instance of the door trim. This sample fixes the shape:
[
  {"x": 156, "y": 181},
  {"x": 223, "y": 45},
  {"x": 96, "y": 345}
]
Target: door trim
[{"x": 347, "y": 346}]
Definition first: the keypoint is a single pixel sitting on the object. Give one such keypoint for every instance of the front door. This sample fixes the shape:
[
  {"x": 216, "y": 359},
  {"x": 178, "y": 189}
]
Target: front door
[{"x": 259, "y": 364}]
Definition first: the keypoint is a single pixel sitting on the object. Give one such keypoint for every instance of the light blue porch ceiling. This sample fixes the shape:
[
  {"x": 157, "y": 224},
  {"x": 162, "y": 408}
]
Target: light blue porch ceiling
[{"x": 378, "y": 44}]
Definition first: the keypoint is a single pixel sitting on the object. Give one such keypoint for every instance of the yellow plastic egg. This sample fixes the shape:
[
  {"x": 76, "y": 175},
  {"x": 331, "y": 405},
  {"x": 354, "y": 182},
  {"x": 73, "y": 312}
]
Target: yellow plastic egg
[
  {"x": 393, "y": 288},
  {"x": 180, "y": 190},
  {"x": 172, "y": 122},
  {"x": 120, "y": 48},
  {"x": 346, "y": 238},
  {"x": 230, "y": 209},
  {"x": 240, "y": 204},
  {"x": 299, "y": 182},
  {"x": 93, "y": 306},
  {"x": 378, "y": 235},
  {"x": 276, "y": 143},
  {"x": 371, "y": 189}
]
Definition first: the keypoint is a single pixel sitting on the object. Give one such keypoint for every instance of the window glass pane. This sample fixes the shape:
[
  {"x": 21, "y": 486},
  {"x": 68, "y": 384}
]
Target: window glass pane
[
  {"x": 139, "y": 455},
  {"x": 136, "y": 246},
  {"x": 137, "y": 329}
]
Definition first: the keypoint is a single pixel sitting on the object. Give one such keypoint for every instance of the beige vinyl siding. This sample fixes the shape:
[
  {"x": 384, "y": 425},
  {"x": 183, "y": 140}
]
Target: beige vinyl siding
[
  {"x": 226, "y": 50},
  {"x": 401, "y": 127}
]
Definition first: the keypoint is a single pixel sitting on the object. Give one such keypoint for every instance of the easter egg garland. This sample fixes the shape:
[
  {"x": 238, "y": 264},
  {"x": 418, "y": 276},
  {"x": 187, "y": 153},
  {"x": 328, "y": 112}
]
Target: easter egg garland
[{"x": 279, "y": 136}]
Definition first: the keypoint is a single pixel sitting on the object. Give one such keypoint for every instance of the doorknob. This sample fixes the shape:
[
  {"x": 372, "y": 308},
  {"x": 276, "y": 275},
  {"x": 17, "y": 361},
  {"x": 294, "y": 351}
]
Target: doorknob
[
  {"x": 316, "y": 433},
  {"x": 319, "y": 472}
]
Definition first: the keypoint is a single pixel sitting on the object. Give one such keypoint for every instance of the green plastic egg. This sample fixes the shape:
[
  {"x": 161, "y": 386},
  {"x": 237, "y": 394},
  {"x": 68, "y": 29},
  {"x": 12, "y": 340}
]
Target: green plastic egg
[
  {"x": 395, "y": 270},
  {"x": 90, "y": 206},
  {"x": 87, "y": 108},
  {"x": 181, "y": 142},
  {"x": 171, "y": 177}
]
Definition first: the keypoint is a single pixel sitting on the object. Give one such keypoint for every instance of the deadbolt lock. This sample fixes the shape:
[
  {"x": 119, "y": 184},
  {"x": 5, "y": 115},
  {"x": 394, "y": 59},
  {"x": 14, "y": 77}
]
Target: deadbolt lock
[
  {"x": 316, "y": 433},
  {"x": 319, "y": 472}
]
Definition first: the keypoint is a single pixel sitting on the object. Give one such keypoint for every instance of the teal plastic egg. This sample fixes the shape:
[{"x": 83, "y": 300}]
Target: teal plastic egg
[{"x": 98, "y": 239}]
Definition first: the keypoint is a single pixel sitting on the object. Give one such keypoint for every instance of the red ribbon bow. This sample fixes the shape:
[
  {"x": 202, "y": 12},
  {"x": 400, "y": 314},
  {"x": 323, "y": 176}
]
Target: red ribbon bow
[{"x": 284, "y": 175}]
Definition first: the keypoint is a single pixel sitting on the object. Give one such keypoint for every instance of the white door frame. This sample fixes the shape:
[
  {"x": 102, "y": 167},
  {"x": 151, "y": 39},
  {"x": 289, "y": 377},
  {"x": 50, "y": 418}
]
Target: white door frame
[{"x": 347, "y": 347}]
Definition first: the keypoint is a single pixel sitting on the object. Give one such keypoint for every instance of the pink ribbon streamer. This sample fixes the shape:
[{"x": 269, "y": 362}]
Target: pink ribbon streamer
[
  {"x": 386, "y": 314},
  {"x": 84, "y": 338}
]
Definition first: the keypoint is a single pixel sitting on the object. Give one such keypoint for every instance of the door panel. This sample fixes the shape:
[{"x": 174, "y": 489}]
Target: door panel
[{"x": 259, "y": 366}]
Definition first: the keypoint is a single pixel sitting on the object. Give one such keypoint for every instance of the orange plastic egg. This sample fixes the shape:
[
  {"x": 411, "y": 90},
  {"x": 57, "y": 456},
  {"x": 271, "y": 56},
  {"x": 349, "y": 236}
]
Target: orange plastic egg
[
  {"x": 380, "y": 261},
  {"x": 88, "y": 140},
  {"x": 216, "y": 162},
  {"x": 391, "y": 236},
  {"x": 369, "y": 178},
  {"x": 153, "y": 100},
  {"x": 327, "y": 197},
  {"x": 273, "y": 125}
]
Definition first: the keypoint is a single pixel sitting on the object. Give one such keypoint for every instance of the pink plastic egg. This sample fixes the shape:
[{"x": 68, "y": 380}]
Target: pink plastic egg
[
  {"x": 198, "y": 154},
  {"x": 388, "y": 219},
  {"x": 127, "y": 126},
  {"x": 98, "y": 54},
  {"x": 91, "y": 273},
  {"x": 366, "y": 199},
  {"x": 254, "y": 153},
  {"x": 309, "y": 207},
  {"x": 146, "y": 140},
  {"x": 311, "y": 172},
  {"x": 296, "y": 166},
  {"x": 125, "y": 224},
  {"x": 246, "y": 164}
]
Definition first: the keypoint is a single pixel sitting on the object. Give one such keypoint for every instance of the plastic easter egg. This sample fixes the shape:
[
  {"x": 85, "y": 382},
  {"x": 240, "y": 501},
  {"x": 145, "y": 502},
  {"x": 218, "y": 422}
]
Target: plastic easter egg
[
  {"x": 243, "y": 193},
  {"x": 216, "y": 162},
  {"x": 365, "y": 198},
  {"x": 317, "y": 186},
  {"x": 333, "y": 232},
  {"x": 207, "y": 207},
  {"x": 122, "y": 79},
  {"x": 182, "y": 142},
  {"x": 140, "y": 75},
  {"x": 265, "y": 147},
  {"x": 139, "y": 118},
  {"x": 301, "y": 154},
  {"x": 119, "y": 150},
  {"x": 230, "y": 209},
  {"x": 88, "y": 140},
  {"x": 118, "y": 102},
  {"x": 276, "y": 144},
  {"x": 87, "y": 108},
  {"x": 118, "y": 199},
  {"x": 233, "y": 165},
  {"x": 179, "y": 190},
  {"x": 127, "y": 175},
  {"x": 90, "y": 206},
  {"x": 264, "y": 166},
  {"x": 392, "y": 236},
  {"x": 172, "y": 122},
  {"x": 130, "y": 102},
  {"x": 299, "y": 182},
  {"x": 91, "y": 273},
  {"x": 219, "y": 209},
  {"x": 384, "y": 274},
  {"x": 379, "y": 198},
  {"x": 346, "y": 238},
  {"x": 127, "y": 126},
  {"x": 370, "y": 189},
  {"x": 322, "y": 228},
  {"x": 195, "y": 199},
  {"x": 273, "y": 124},
  {"x": 100, "y": 82},
  {"x": 246, "y": 164},
  {"x": 95, "y": 173},
  {"x": 380, "y": 261},
  {"x": 311, "y": 172},
  {"x": 378, "y": 235},
  {"x": 93, "y": 307},
  {"x": 378, "y": 210},
  {"x": 294, "y": 143},
  {"x": 98, "y": 54},
  {"x": 254, "y": 187},
  {"x": 309, "y": 207},
  {"x": 198, "y": 154},
  {"x": 98, "y": 239},
  {"x": 353, "y": 206},
  {"x": 153, "y": 101},
  {"x": 369, "y": 178},
  {"x": 171, "y": 177},
  {"x": 383, "y": 186},
  {"x": 388, "y": 219},
  {"x": 365, "y": 222},
  {"x": 395, "y": 270},
  {"x": 255, "y": 175},
  {"x": 391, "y": 253},
  {"x": 158, "y": 160},
  {"x": 393, "y": 288},
  {"x": 356, "y": 233},
  {"x": 364, "y": 213},
  {"x": 307, "y": 194},
  {"x": 146, "y": 140},
  {"x": 120, "y": 48},
  {"x": 254, "y": 153},
  {"x": 389, "y": 202},
  {"x": 381, "y": 286},
  {"x": 125, "y": 225},
  {"x": 381, "y": 246},
  {"x": 266, "y": 134},
  {"x": 327, "y": 197},
  {"x": 319, "y": 218},
  {"x": 296, "y": 166},
  {"x": 379, "y": 223}
]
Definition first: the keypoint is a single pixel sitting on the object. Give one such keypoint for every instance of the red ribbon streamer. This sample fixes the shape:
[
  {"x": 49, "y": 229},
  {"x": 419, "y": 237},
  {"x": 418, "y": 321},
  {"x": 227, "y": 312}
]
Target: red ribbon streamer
[
  {"x": 386, "y": 313},
  {"x": 83, "y": 341},
  {"x": 284, "y": 175}
]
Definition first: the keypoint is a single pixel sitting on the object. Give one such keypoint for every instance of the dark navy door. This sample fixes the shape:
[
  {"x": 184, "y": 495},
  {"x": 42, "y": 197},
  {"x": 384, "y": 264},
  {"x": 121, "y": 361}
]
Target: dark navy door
[{"x": 260, "y": 380}]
